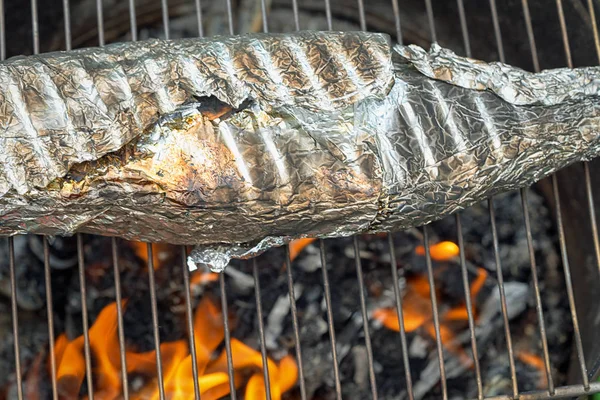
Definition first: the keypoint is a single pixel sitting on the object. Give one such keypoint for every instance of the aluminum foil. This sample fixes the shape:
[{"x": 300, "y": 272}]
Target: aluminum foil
[{"x": 241, "y": 143}]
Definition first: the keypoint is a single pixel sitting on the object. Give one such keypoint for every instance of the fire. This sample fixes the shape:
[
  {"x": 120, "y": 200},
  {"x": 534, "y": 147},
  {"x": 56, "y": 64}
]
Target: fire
[
  {"x": 199, "y": 278},
  {"x": 70, "y": 365},
  {"x": 537, "y": 363},
  {"x": 417, "y": 312},
  {"x": 443, "y": 251},
  {"x": 176, "y": 359},
  {"x": 296, "y": 246},
  {"x": 160, "y": 252}
]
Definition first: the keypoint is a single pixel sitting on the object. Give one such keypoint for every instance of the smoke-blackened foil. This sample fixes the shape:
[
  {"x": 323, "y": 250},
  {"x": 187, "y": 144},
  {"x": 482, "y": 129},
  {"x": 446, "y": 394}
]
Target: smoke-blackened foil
[{"x": 241, "y": 143}]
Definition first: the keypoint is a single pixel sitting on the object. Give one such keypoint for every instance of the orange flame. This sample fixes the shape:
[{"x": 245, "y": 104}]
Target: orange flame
[
  {"x": 443, "y": 251},
  {"x": 70, "y": 365},
  {"x": 255, "y": 389},
  {"x": 70, "y": 369},
  {"x": 176, "y": 361},
  {"x": 296, "y": 246},
  {"x": 105, "y": 345}
]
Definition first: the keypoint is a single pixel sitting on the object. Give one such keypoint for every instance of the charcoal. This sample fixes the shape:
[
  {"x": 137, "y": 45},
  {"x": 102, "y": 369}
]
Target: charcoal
[
  {"x": 33, "y": 339},
  {"x": 62, "y": 250},
  {"x": 29, "y": 274}
]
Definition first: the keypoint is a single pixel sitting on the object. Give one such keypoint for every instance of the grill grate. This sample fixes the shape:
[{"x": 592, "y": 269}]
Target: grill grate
[{"x": 585, "y": 387}]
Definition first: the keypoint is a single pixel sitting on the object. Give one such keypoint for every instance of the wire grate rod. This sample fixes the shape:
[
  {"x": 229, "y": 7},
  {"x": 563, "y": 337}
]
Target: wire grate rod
[{"x": 327, "y": 289}]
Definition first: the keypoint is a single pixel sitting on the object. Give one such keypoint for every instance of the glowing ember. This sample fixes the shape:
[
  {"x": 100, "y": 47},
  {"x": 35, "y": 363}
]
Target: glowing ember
[
  {"x": 160, "y": 252},
  {"x": 443, "y": 251},
  {"x": 537, "y": 363},
  {"x": 417, "y": 312}
]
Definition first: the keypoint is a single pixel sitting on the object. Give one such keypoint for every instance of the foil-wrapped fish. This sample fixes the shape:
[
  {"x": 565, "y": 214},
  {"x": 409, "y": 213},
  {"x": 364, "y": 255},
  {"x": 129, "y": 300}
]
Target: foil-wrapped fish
[{"x": 263, "y": 138}]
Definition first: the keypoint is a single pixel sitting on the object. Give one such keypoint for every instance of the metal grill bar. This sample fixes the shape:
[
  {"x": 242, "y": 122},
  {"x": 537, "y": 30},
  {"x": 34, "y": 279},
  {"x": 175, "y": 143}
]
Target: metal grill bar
[
  {"x": 467, "y": 287},
  {"x": 84, "y": 316},
  {"x": 165, "y": 17},
  {"x": 563, "y": 31},
  {"x": 15, "y": 316},
  {"x": 294, "y": 311},
  {"x": 569, "y": 284},
  {"x": 503, "y": 305},
  {"x": 327, "y": 290},
  {"x": 328, "y": 13},
  {"x": 35, "y": 28},
  {"x": 263, "y": 10},
  {"x": 563, "y": 245},
  {"x": 257, "y": 296},
  {"x": 230, "y": 17},
  {"x": 225, "y": 313},
  {"x": 290, "y": 279},
  {"x": 222, "y": 286},
  {"x": 186, "y": 271},
  {"x": 530, "y": 36},
  {"x": 499, "y": 274},
  {"x": 2, "y": 32},
  {"x": 153, "y": 307},
  {"x": 590, "y": 198},
  {"x": 120, "y": 328},
  {"x": 561, "y": 392},
  {"x": 100, "y": 21},
  {"x": 199, "y": 18},
  {"x": 592, "y": 12},
  {"x": 67, "y": 18},
  {"x": 365, "y": 318},
  {"x": 359, "y": 273},
  {"x": 397, "y": 23},
  {"x": 436, "y": 316},
  {"x": 464, "y": 27},
  {"x": 261, "y": 329},
  {"x": 497, "y": 34},
  {"x": 431, "y": 20},
  {"x": 361, "y": 15},
  {"x": 536, "y": 286},
  {"x": 132, "y": 20},
  {"x": 463, "y": 261},
  {"x": 400, "y": 313},
  {"x": 190, "y": 321},
  {"x": 50, "y": 316},
  {"x": 296, "y": 18}
]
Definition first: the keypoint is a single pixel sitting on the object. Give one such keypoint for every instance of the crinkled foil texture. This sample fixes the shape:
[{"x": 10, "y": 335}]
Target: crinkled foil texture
[{"x": 238, "y": 144}]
